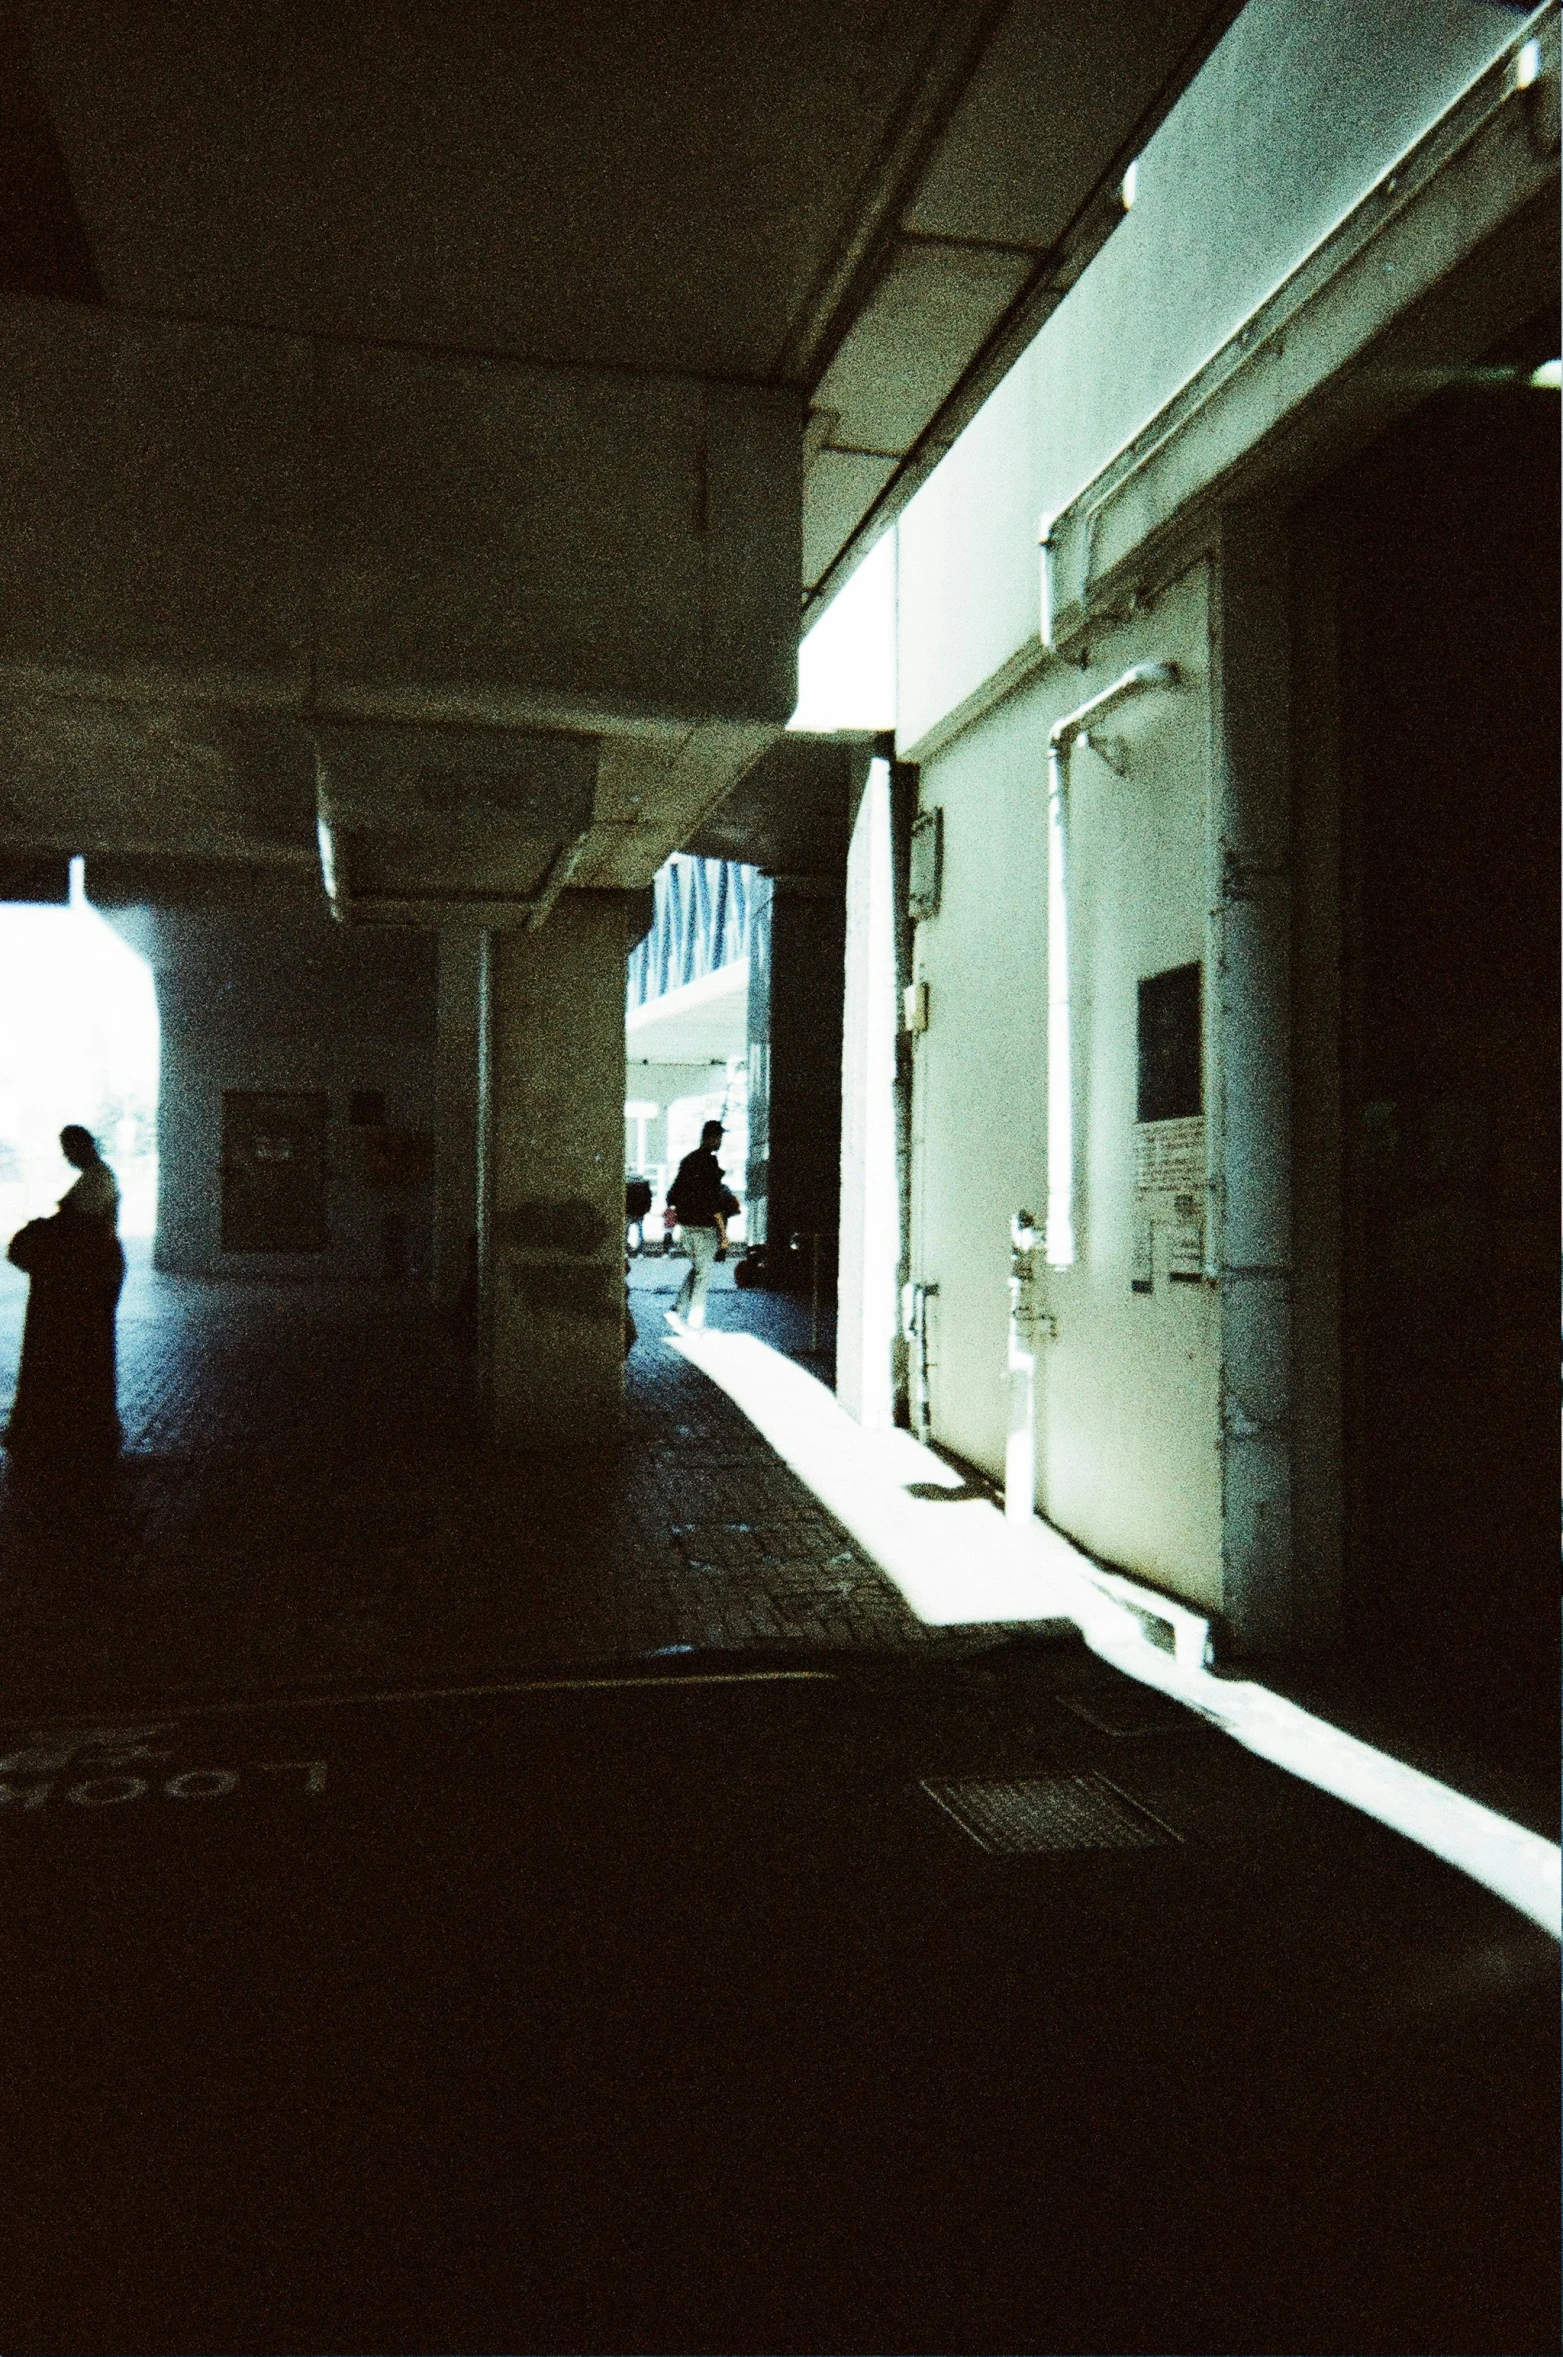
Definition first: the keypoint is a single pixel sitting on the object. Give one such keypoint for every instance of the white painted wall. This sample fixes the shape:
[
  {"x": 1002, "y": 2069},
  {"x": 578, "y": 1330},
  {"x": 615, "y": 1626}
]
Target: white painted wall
[
  {"x": 1142, "y": 1396},
  {"x": 1296, "y": 114},
  {"x": 870, "y": 1221},
  {"x": 1128, "y": 1457},
  {"x": 980, "y": 1071}
]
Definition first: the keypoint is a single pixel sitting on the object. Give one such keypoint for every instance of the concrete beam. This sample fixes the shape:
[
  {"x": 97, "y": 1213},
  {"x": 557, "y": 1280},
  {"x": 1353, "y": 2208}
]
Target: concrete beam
[
  {"x": 136, "y": 880},
  {"x": 418, "y": 822},
  {"x": 157, "y": 536},
  {"x": 791, "y": 813},
  {"x": 205, "y": 523},
  {"x": 228, "y": 517},
  {"x": 142, "y": 780},
  {"x": 42, "y": 876},
  {"x": 542, "y": 547}
]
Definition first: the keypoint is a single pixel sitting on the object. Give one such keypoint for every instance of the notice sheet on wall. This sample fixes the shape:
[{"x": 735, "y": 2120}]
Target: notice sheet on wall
[{"x": 1169, "y": 1201}]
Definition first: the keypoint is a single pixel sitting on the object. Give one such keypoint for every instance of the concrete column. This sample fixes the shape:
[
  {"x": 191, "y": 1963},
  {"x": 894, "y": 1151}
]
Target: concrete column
[
  {"x": 456, "y": 1106},
  {"x": 1320, "y": 985},
  {"x": 1251, "y": 928},
  {"x": 552, "y": 1192},
  {"x": 793, "y": 1186}
]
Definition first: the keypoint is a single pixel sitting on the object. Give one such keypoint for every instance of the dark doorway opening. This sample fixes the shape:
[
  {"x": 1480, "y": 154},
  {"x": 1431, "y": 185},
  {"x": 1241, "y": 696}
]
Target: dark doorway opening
[
  {"x": 273, "y": 1171},
  {"x": 1447, "y": 531}
]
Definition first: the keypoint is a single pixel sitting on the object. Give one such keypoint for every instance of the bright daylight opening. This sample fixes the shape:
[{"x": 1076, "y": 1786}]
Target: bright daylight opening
[
  {"x": 79, "y": 1042},
  {"x": 847, "y": 663},
  {"x": 687, "y": 1051},
  {"x": 960, "y": 1561}
]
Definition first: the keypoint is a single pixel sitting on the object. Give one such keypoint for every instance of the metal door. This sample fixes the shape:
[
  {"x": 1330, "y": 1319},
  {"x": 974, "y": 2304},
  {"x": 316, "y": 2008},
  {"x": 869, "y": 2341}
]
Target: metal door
[
  {"x": 273, "y": 1172},
  {"x": 1128, "y": 1413}
]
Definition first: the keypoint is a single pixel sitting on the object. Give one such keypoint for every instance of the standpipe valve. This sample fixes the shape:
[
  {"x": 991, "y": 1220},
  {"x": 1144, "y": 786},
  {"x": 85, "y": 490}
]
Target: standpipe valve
[{"x": 1026, "y": 1326}]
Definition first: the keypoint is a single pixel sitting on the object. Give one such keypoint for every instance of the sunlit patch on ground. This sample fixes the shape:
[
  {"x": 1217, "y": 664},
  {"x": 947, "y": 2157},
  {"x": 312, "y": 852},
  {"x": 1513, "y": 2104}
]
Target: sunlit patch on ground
[
  {"x": 303, "y": 1500},
  {"x": 961, "y": 1560}
]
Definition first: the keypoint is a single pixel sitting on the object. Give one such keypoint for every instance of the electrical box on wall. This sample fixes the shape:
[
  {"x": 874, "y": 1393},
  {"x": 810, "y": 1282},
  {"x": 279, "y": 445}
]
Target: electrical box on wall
[
  {"x": 1170, "y": 1084},
  {"x": 927, "y": 865},
  {"x": 914, "y": 1007}
]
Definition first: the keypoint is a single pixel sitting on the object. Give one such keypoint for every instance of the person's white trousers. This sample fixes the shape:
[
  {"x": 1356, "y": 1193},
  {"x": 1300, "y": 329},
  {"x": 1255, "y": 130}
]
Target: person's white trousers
[{"x": 701, "y": 1245}]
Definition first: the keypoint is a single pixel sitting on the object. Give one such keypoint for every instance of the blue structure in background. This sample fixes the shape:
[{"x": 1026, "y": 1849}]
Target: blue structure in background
[{"x": 701, "y": 924}]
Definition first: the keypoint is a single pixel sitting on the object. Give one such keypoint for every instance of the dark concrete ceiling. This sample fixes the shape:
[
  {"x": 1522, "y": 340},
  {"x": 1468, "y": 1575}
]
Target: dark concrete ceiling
[
  {"x": 873, "y": 203},
  {"x": 588, "y": 183}
]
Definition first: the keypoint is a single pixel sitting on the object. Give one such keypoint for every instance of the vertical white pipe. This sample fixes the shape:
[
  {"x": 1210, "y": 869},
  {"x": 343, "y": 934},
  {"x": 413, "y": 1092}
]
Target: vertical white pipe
[
  {"x": 1066, "y": 733},
  {"x": 1020, "y": 1448},
  {"x": 1059, "y": 1245}
]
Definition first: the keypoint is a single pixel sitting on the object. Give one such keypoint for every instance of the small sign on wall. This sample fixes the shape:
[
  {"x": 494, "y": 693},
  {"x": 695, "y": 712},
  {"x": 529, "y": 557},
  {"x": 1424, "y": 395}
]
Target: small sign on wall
[
  {"x": 1169, "y": 1199},
  {"x": 927, "y": 864}
]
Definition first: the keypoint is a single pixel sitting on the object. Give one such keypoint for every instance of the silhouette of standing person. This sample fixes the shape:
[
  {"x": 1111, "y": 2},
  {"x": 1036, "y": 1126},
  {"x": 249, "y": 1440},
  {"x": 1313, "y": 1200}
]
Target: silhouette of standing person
[{"x": 66, "y": 1410}]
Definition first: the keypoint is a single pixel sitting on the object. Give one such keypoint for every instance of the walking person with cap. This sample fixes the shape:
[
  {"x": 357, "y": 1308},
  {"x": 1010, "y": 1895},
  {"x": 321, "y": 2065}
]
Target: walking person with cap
[{"x": 703, "y": 1206}]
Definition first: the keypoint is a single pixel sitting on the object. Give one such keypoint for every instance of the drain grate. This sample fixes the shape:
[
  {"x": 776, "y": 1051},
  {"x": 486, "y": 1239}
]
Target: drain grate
[{"x": 1078, "y": 1812}]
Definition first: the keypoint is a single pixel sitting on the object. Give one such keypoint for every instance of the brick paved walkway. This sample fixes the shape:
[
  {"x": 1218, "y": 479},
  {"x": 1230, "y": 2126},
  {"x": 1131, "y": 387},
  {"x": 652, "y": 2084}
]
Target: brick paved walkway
[{"x": 302, "y": 1502}]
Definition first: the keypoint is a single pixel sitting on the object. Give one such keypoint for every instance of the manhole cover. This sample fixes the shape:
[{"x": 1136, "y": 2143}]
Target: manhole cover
[
  {"x": 1132, "y": 1714},
  {"x": 1084, "y": 1812}
]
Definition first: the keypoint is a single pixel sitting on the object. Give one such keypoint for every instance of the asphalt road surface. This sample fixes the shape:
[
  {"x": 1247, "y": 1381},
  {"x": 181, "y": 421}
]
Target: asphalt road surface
[{"x": 679, "y": 2016}]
